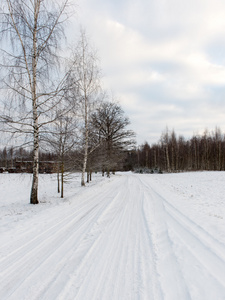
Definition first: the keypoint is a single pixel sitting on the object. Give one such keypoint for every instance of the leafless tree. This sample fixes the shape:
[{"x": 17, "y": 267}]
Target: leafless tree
[
  {"x": 86, "y": 81},
  {"x": 32, "y": 31},
  {"x": 172, "y": 154},
  {"x": 218, "y": 149},
  {"x": 111, "y": 123},
  {"x": 61, "y": 136},
  {"x": 165, "y": 144}
]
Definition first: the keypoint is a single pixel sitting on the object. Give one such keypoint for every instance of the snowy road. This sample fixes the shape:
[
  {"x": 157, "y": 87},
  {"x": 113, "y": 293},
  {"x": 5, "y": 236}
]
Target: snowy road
[{"x": 122, "y": 239}]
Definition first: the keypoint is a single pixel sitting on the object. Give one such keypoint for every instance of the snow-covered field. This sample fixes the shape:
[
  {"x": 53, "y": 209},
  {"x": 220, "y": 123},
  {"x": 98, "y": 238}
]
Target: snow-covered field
[{"x": 132, "y": 236}]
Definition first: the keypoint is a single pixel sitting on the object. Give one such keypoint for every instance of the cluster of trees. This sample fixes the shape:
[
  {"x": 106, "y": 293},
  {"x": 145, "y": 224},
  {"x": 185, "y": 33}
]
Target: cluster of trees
[
  {"x": 10, "y": 155},
  {"x": 175, "y": 153},
  {"x": 53, "y": 101}
]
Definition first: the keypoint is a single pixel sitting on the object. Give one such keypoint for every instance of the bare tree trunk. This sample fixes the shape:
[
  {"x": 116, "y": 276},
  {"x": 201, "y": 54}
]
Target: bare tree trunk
[
  {"x": 90, "y": 175},
  {"x": 195, "y": 155},
  {"x": 172, "y": 158},
  {"x": 177, "y": 157},
  {"x": 138, "y": 157},
  {"x": 4, "y": 153},
  {"x": 34, "y": 188},
  {"x": 219, "y": 156},
  {"x": 58, "y": 185},
  {"x": 62, "y": 179},
  {"x": 11, "y": 154},
  {"x": 155, "y": 163},
  {"x": 146, "y": 159},
  {"x": 86, "y": 142},
  {"x": 167, "y": 158}
]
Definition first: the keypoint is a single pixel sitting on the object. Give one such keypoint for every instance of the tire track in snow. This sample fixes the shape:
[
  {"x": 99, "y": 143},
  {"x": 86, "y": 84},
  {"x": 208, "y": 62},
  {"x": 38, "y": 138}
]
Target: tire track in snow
[
  {"x": 203, "y": 246},
  {"x": 35, "y": 253},
  {"x": 204, "y": 252},
  {"x": 199, "y": 247},
  {"x": 167, "y": 267},
  {"x": 88, "y": 251},
  {"x": 149, "y": 255},
  {"x": 52, "y": 224},
  {"x": 54, "y": 288},
  {"x": 84, "y": 198},
  {"x": 110, "y": 254},
  {"x": 208, "y": 280},
  {"x": 123, "y": 242},
  {"x": 196, "y": 230},
  {"x": 120, "y": 260}
]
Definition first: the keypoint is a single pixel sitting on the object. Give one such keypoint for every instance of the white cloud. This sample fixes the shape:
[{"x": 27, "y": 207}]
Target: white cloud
[{"x": 155, "y": 57}]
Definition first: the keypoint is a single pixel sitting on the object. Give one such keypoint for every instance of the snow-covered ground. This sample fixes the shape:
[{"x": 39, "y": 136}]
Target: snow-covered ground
[{"x": 132, "y": 236}]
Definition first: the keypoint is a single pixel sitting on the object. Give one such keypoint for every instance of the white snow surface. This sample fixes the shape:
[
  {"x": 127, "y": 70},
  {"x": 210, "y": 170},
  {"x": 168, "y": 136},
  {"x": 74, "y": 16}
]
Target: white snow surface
[{"x": 132, "y": 236}]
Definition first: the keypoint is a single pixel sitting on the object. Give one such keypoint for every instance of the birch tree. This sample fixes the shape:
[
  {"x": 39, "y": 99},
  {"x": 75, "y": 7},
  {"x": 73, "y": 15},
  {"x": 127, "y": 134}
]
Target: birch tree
[
  {"x": 85, "y": 76},
  {"x": 165, "y": 145},
  {"x": 62, "y": 139},
  {"x": 32, "y": 30}
]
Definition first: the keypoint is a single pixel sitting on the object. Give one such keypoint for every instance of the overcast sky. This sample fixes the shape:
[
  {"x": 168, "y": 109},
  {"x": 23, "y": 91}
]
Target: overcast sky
[{"x": 163, "y": 59}]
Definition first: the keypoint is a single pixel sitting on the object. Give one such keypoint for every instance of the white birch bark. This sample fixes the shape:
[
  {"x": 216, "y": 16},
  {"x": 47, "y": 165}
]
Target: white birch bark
[
  {"x": 34, "y": 188},
  {"x": 86, "y": 143},
  {"x": 33, "y": 30}
]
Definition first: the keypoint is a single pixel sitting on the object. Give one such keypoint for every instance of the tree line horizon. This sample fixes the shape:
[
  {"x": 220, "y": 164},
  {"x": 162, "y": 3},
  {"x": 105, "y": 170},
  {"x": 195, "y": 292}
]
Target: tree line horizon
[{"x": 172, "y": 153}]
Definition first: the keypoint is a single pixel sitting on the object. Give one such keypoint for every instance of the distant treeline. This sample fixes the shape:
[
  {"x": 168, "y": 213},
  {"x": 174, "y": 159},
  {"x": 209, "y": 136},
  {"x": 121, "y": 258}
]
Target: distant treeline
[
  {"x": 17, "y": 160},
  {"x": 172, "y": 153},
  {"x": 175, "y": 153}
]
